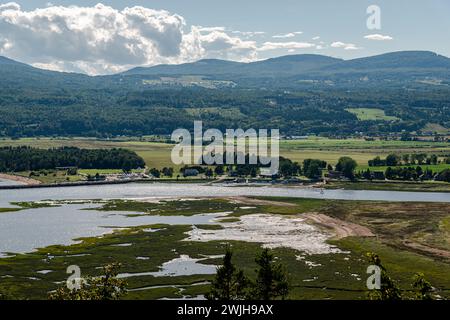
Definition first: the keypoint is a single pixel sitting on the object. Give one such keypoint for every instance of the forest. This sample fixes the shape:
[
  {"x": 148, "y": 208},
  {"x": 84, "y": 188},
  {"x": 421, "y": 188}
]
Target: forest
[{"x": 15, "y": 159}]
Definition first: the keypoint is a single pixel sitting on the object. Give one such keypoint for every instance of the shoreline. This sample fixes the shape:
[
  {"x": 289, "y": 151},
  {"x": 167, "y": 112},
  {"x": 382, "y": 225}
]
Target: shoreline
[
  {"x": 26, "y": 181},
  {"x": 29, "y": 183}
]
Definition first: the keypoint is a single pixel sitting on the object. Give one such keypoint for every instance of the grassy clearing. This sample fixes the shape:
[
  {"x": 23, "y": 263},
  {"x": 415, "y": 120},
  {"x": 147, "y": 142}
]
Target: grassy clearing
[
  {"x": 436, "y": 128},
  {"x": 369, "y": 114},
  {"x": 50, "y": 176}
]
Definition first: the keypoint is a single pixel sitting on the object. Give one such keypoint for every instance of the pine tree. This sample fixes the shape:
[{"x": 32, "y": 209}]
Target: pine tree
[
  {"x": 271, "y": 281},
  {"x": 229, "y": 283}
]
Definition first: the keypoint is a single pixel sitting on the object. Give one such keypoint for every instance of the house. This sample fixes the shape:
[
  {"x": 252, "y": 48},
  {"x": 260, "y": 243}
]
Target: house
[
  {"x": 334, "y": 175},
  {"x": 379, "y": 175}
]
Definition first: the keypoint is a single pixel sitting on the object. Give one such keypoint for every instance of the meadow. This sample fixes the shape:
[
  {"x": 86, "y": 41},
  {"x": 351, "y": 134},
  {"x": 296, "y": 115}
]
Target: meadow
[{"x": 158, "y": 154}]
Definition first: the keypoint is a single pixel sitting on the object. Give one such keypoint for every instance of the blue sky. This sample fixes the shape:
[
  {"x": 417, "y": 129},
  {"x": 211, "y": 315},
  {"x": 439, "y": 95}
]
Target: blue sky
[{"x": 242, "y": 30}]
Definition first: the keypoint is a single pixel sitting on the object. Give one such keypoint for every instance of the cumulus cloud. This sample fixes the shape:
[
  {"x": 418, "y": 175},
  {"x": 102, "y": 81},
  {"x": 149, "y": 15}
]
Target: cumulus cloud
[
  {"x": 345, "y": 46},
  {"x": 101, "y": 39},
  {"x": 378, "y": 37}
]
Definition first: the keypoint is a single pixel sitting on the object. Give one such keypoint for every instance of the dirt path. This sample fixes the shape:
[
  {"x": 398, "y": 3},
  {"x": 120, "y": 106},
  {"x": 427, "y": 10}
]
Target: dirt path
[
  {"x": 24, "y": 180},
  {"x": 342, "y": 229},
  {"x": 246, "y": 200},
  {"x": 420, "y": 247}
]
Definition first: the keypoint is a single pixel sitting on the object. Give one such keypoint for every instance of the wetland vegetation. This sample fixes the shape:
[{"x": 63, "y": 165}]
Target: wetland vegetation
[{"x": 409, "y": 237}]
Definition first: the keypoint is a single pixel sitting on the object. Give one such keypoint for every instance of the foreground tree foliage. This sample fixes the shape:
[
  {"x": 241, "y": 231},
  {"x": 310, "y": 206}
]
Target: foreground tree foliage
[
  {"x": 271, "y": 281},
  {"x": 422, "y": 289},
  {"x": 105, "y": 287},
  {"x": 231, "y": 284}
]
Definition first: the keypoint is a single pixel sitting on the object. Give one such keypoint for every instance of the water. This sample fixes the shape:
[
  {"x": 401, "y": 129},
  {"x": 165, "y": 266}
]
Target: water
[
  {"x": 182, "y": 266},
  {"x": 24, "y": 231},
  {"x": 147, "y": 190},
  {"x": 5, "y": 182}
]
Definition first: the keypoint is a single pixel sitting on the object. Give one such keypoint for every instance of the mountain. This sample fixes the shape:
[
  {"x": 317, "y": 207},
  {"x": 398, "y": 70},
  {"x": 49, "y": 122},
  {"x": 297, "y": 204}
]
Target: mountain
[
  {"x": 203, "y": 67},
  {"x": 6, "y": 61},
  {"x": 394, "y": 61},
  {"x": 14, "y": 74},
  {"x": 281, "y": 66},
  {"x": 396, "y": 68}
]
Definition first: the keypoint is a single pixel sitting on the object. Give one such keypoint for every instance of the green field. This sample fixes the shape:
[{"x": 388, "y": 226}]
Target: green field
[
  {"x": 369, "y": 114},
  {"x": 158, "y": 155}
]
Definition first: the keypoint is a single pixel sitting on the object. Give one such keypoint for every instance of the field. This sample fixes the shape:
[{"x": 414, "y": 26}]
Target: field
[
  {"x": 407, "y": 239},
  {"x": 157, "y": 154},
  {"x": 369, "y": 114}
]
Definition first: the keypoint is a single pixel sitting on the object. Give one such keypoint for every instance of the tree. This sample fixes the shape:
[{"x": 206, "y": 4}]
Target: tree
[
  {"x": 444, "y": 175},
  {"x": 312, "y": 168},
  {"x": 229, "y": 283},
  {"x": 388, "y": 290},
  {"x": 405, "y": 158},
  {"x": 168, "y": 172},
  {"x": 367, "y": 175},
  {"x": 209, "y": 173},
  {"x": 347, "y": 166},
  {"x": 271, "y": 281},
  {"x": 155, "y": 172},
  {"x": 422, "y": 287},
  {"x": 219, "y": 170},
  {"x": 392, "y": 160},
  {"x": 433, "y": 159},
  {"x": 105, "y": 287}
]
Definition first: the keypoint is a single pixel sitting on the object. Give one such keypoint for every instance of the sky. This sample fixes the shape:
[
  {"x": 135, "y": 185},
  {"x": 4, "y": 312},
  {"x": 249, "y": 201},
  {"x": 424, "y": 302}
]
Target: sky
[{"x": 115, "y": 35}]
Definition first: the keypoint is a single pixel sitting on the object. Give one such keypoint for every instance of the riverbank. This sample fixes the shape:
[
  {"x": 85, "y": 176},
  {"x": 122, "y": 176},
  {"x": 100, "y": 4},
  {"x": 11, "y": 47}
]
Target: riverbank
[{"x": 26, "y": 181}]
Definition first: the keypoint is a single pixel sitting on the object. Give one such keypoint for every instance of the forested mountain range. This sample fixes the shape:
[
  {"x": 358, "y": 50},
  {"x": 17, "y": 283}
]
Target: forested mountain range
[{"x": 300, "y": 94}]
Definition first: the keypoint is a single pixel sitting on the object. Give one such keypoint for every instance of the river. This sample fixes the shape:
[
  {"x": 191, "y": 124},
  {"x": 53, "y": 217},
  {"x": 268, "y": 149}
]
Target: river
[
  {"x": 147, "y": 190},
  {"x": 26, "y": 230}
]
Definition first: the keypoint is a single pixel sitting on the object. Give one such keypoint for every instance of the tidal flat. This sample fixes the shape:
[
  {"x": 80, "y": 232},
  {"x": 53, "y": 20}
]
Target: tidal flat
[{"x": 409, "y": 237}]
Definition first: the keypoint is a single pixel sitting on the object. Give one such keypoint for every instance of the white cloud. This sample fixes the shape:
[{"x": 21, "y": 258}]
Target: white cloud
[
  {"x": 378, "y": 37},
  {"x": 345, "y": 46},
  {"x": 9, "y": 6},
  {"x": 316, "y": 38},
  {"x": 285, "y": 45},
  {"x": 248, "y": 34},
  {"x": 101, "y": 39},
  {"x": 287, "y": 35}
]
